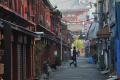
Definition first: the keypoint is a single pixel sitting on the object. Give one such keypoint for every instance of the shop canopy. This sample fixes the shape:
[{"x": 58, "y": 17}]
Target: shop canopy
[
  {"x": 17, "y": 28},
  {"x": 103, "y": 33}
]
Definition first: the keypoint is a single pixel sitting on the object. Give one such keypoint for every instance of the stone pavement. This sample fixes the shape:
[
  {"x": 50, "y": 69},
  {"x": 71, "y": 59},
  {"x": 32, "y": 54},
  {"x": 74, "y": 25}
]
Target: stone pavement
[{"x": 84, "y": 71}]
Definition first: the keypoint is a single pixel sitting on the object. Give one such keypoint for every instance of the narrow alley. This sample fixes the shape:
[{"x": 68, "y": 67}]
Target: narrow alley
[
  {"x": 84, "y": 71},
  {"x": 40, "y": 39}
]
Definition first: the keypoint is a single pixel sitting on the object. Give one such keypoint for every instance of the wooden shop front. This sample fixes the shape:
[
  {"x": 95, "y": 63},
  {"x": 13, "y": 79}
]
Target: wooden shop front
[{"x": 16, "y": 52}]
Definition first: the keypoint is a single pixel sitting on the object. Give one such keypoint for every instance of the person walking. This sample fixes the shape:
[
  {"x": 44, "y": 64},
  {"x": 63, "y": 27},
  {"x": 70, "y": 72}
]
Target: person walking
[{"x": 74, "y": 57}]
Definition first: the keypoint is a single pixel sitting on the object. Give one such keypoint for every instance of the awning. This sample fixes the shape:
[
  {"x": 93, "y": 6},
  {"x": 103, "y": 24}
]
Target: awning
[
  {"x": 56, "y": 40},
  {"x": 25, "y": 31},
  {"x": 18, "y": 28},
  {"x": 41, "y": 28},
  {"x": 103, "y": 33}
]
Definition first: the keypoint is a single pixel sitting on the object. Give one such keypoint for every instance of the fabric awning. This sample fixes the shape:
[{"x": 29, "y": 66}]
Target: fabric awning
[{"x": 103, "y": 33}]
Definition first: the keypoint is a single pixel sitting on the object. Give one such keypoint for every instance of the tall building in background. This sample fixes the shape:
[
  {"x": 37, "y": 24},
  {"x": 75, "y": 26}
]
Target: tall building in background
[{"x": 74, "y": 14}]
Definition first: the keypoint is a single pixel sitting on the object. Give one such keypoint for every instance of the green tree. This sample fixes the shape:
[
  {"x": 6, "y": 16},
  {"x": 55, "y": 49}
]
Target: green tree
[{"x": 78, "y": 44}]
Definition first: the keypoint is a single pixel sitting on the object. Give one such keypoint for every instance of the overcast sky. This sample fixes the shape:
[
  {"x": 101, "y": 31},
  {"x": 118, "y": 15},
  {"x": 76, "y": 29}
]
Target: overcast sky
[
  {"x": 70, "y": 4},
  {"x": 74, "y": 4}
]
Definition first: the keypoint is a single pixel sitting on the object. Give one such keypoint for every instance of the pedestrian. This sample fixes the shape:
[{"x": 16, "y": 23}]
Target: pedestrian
[{"x": 74, "y": 61}]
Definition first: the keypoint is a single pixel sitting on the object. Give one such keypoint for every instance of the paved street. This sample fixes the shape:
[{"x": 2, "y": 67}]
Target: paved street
[{"x": 84, "y": 71}]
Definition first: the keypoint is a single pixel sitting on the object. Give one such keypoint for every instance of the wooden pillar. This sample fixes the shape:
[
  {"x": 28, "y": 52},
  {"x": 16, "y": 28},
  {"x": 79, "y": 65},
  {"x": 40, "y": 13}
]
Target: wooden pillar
[
  {"x": 33, "y": 59},
  {"x": 7, "y": 60},
  {"x": 52, "y": 59}
]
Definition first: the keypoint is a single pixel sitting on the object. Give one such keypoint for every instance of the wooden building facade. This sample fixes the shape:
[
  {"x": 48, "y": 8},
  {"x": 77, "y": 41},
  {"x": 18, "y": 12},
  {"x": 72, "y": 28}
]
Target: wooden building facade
[
  {"x": 19, "y": 20},
  {"x": 17, "y": 40}
]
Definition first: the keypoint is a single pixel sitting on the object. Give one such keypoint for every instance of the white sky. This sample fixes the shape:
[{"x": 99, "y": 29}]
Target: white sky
[
  {"x": 69, "y": 4},
  {"x": 73, "y": 4}
]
